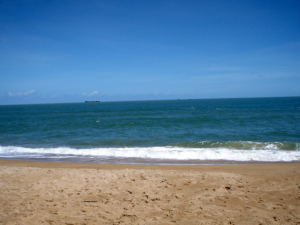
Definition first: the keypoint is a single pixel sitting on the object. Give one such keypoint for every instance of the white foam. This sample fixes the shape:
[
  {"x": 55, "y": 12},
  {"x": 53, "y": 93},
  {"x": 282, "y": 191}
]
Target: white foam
[{"x": 170, "y": 153}]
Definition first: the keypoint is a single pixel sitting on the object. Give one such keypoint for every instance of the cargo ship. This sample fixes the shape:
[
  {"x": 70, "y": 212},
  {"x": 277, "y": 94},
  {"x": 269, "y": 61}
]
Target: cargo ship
[{"x": 92, "y": 101}]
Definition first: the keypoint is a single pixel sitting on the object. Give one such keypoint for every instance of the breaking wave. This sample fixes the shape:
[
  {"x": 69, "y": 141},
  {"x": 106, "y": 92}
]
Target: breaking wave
[{"x": 263, "y": 152}]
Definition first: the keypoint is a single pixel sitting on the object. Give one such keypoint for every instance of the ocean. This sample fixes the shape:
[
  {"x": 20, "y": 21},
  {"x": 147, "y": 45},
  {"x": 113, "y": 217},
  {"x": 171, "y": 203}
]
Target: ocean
[{"x": 204, "y": 131}]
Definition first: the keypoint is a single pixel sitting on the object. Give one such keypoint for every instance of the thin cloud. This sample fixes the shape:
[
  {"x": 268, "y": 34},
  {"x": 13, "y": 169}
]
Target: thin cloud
[
  {"x": 20, "y": 94},
  {"x": 90, "y": 94}
]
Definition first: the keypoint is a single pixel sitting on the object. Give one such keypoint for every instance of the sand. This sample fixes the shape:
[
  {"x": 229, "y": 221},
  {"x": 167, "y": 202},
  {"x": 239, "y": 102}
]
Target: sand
[{"x": 70, "y": 193}]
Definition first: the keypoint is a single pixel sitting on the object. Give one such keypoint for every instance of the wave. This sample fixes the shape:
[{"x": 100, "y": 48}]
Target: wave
[
  {"x": 243, "y": 145},
  {"x": 271, "y": 154}
]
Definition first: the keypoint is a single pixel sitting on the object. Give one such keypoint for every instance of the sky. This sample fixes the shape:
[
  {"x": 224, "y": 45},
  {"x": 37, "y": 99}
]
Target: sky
[{"x": 75, "y": 50}]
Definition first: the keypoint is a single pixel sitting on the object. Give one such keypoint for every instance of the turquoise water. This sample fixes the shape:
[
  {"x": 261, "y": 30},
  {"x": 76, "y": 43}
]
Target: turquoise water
[{"x": 185, "y": 131}]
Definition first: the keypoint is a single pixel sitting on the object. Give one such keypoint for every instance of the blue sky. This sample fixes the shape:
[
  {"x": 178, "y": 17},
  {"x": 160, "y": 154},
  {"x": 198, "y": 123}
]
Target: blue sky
[{"x": 74, "y": 50}]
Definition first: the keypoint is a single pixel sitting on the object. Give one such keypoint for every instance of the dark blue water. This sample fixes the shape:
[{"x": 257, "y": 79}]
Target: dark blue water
[{"x": 257, "y": 129}]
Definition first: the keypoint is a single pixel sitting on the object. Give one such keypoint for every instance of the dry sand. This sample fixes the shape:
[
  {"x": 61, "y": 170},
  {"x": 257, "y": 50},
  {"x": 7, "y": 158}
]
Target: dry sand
[{"x": 69, "y": 193}]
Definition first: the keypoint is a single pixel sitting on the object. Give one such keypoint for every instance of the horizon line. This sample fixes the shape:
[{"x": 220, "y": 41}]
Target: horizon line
[{"x": 177, "y": 99}]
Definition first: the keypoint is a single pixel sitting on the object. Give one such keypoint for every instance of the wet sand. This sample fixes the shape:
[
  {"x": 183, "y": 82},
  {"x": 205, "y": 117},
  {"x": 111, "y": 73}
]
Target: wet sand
[{"x": 74, "y": 193}]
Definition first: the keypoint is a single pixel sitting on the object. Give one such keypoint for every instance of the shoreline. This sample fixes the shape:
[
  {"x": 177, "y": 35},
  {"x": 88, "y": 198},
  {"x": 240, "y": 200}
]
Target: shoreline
[
  {"x": 34, "y": 192},
  {"x": 250, "y": 166},
  {"x": 147, "y": 162}
]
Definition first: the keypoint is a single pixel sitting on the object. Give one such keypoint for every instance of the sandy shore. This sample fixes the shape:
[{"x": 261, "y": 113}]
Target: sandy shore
[{"x": 70, "y": 193}]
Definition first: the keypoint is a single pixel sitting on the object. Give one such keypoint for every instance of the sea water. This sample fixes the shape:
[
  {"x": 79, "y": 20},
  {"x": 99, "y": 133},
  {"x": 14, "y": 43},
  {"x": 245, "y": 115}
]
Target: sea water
[{"x": 206, "y": 131}]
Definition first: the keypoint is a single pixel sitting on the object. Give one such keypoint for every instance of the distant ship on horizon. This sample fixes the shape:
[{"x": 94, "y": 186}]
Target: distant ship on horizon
[{"x": 92, "y": 101}]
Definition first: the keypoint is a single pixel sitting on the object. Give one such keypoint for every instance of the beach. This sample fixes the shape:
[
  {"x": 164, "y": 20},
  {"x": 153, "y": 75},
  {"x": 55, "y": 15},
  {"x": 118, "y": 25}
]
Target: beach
[{"x": 82, "y": 193}]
